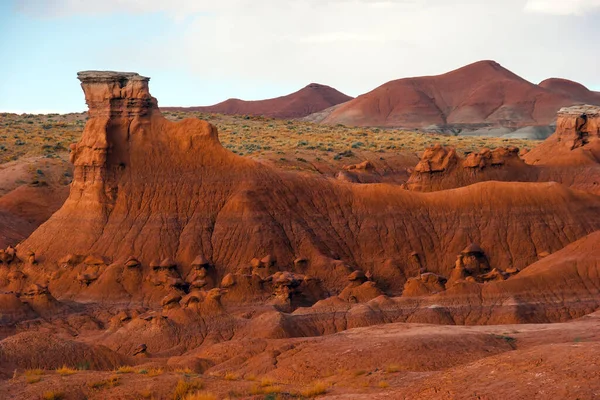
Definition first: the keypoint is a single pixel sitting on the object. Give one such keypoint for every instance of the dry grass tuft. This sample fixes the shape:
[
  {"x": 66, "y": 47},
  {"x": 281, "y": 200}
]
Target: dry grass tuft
[
  {"x": 125, "y": 369},
  {"x": 113, "y": 381},
  {"x": 393, "y": 368},
  {"x": 264, "y": 382},
  {"x": 30, "y": 372},
  {"x": 155, "y": 372},
  {"x": 258, "y": 390},
  {"x": 33, "y": 375},
  {"x": 52, "y": 395},
  {"x": 383, "y": 384},
  {"x": 265, "y": 387},
  {"x": 185, "y": 371},
  {"x": 32, "y": 379},
  {"x": 316, "y": 389},
  {"x": 146, "y": 394},
  {"x": 230, "y": 376},
  {"x": 64, "y": 371},
  {"x": 200, "y": 396},
  {"x": 185, "y": 387}
]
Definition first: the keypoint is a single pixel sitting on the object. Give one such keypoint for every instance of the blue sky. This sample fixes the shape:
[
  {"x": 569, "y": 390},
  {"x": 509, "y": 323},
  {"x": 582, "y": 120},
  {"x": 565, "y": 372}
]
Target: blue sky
[{"x": 198, "y": 52}]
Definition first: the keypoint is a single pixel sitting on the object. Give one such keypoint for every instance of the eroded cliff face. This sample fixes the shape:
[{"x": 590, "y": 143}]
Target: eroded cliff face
[
  {"x": 442, "y": 168},
  {"x": 119, "y": 104},
  {"x": 575, "y": 142},
  {"x": 151, "y": 196}
]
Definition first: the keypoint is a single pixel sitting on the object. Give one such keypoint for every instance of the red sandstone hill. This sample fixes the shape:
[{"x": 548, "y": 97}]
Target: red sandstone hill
[
  {"x": 311, "y": 99},
  {"x": 483, "y": 93},
  {"x": 572, "y": 89}
]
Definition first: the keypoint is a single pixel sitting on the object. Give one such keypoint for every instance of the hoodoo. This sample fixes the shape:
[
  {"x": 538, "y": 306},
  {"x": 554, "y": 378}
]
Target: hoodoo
[{"x": 149, "y": 196}]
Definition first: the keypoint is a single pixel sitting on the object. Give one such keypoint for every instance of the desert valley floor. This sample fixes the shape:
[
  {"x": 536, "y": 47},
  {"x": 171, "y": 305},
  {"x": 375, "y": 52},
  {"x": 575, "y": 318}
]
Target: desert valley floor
[{"x": 183, "y": 254}]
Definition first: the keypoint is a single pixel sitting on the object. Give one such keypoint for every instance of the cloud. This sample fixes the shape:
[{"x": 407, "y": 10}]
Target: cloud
[
  {"x": 563, "y": 7},
  {"x": 178, "y": 7}
]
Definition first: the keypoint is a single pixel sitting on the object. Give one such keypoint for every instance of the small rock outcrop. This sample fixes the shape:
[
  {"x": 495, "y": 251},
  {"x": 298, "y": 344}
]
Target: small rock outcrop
[
  {"x": 575, "y": 142},
  {"x": 424, "y": 285},
  {"x": 442, "y": 168}
]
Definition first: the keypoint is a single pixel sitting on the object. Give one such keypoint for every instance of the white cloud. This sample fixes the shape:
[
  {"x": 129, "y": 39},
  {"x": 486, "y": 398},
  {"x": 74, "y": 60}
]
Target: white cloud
[{"x": 563, "y": 7}]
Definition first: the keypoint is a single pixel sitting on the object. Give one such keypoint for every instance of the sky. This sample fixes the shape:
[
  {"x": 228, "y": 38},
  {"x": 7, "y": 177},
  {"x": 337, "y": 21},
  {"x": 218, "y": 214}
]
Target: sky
[{"x": 201, "y": 52}]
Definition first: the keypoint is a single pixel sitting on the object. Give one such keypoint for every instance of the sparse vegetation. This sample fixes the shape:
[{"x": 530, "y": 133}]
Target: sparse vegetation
[
  {"x": 146, "y": 394},
  {"x": 155, "y": 372},
  {"x": 53, "y": 395},
  {"x": 266, "y": 382},
  {"x": 392, "y": 368},
  {"x": 125, "y": 369},
  {"x": 200, "y": 396},
  {"x": 32, "y": 372},
  {"x": 256, "y": 137},
  {"x": 259, "y": 389},
  {"x": 185, "y": 387},
  {"x": 105, "y": 383},
  {"x": 316, "y": 389},
  {"x": 230, "y": 376},
  {"x": 32, "y": 379},
  {"x": 64, "y": 371}
]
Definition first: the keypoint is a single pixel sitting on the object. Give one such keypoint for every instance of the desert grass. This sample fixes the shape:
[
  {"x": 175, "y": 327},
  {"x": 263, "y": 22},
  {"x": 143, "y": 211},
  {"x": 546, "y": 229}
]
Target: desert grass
[
  {"x": 200, "y": 396},
  {"x": 152, "y": 372},
  {"x": 112, "y": 381},
  {"x": 32, "y": 379},
  {"x": 65, "y": 371},
  {"x": 230, "y": 376},
  {"x": 316, "y": 389},
  {"x": 392, "y": 368},
  {"x": 257, "y": 389},
  {"x": 146, "y": 394},
  {"x": 264, "y": 382},
  {"x": 383, "y": 384},
  {"x": 53, "y": 395},
  {"x": 125, "y": 369},
  {"x": 48, "y": 135},
  {"x": 185, "y": 387}
]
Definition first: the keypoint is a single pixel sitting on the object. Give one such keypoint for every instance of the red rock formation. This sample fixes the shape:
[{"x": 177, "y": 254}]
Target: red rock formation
[
  {"x": 575, "y": 142},
  {"x": 573, "y": 89},
  {"x": 441, "y": 168},
  {"x": 571, "y": 156},
  {"x": 311, "y": 99},
  {"x": 483, "y": 93},
  {"x": 152, "y": 189}
]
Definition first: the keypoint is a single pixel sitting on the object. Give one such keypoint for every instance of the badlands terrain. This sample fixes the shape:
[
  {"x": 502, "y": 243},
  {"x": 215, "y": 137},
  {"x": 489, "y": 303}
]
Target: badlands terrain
[{"x": 184, "y": 255}]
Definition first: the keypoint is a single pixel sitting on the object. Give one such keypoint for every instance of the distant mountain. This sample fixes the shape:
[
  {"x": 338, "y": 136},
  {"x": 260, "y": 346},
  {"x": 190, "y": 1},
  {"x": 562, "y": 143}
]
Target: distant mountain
[
  {"x": 480, "y": 95},
  {"x": 572, "y": 89},
  {"x": 311, "y": 99}
]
